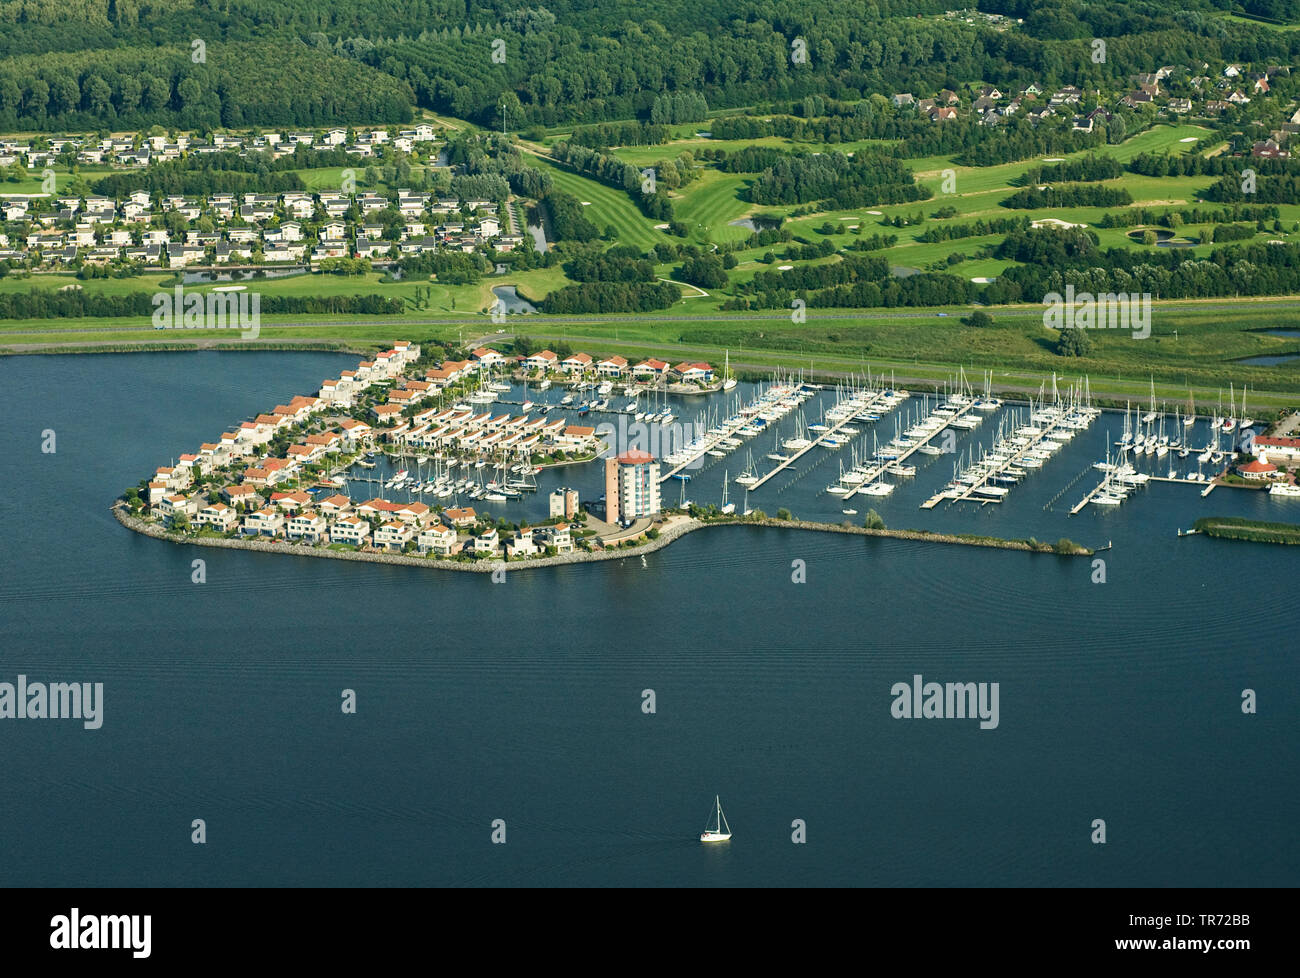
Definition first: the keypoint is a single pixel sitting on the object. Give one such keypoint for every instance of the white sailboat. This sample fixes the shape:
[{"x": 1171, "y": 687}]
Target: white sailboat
[
  {"x": 727, "y": 508},
  {"x": 728, "y": 381},
  {"x": 750, "y": 475},
  {"x": 721, "y": 831}
]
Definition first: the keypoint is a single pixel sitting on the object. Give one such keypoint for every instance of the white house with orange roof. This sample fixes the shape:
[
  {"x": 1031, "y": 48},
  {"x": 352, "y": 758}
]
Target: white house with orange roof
[
  {"x": 252, "y": 434},
  {"x": 329, "y": 441},
  {"x": 192, "y": 462},
  {"x": 387, "y": 413},
  {"x": 460, "y": 368},
  {"x": 335, "y": 506},
  {"x": 173, "y": 476},
  {"x": 579, "y": 363},
  {"x": 416, "y": 513},
  {"x": 407, "y": 351},
  {"x": 377, "y": 509},
  {"x": 337, "y": 393},
  {"x": 442, "y": 540},
  {"x": 290, "y": 502},
  {"x": 614, "y": 366},
  {"x": 560, "y": 536},
  {"x": 651, "y": 368},
  {"x": 543, "y": 360},
  {"x": 488, "y": 357},
  {"x": 242, "y": 496},
  {"x": 303, "y": 454},
  {"x": 693, "y": 371},
  {"x": 177, "y": 504},
  {"x": 394, "y": 535},
  {"x": 214, "y": 455},
  {"x": 576, "y": 437},
  {"x": 218, "y": 516},
  {"x": 350, "y": 529},
  {"x": 306, "y": 525},
  {"x": 266, "y": 522},
  {"x": 355, "y": 433},
  {"x": 1272, "y": 449},
  {"x": 522, "y": 544},
  {"x": 268, "y": 472},
  {"x": 234, "y": 445},
  {"x": 487, "y": 542},
  {"x": 440, "y": 377},
  {"x": 458, "y": 516}
]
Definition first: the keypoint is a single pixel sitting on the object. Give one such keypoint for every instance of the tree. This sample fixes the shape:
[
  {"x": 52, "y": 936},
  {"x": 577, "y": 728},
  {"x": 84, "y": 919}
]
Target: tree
[
  {"x": 1073, "y": 343},
  {"x": 872, "y": 521},
  {"x": 978, "y": 318}
]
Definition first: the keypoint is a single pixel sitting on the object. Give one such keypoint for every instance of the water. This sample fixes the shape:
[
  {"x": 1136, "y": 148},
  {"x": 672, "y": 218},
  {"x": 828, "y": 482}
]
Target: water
[
  {"x": 512, "y": 300},
  {"x": 522, "y": 700},
  {"x": 1272, "y": 360},
  {"x": 236, "y": 275},
  {"x": 755, "y": 224}
]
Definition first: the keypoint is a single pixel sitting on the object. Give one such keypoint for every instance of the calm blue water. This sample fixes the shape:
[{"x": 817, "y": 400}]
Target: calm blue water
[
  {"x": 1271, "y": 360},
  {"x": 521, "y": 700}
]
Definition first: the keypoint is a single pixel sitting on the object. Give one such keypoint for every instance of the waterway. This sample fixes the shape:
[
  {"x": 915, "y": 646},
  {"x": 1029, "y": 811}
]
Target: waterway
[{"x": 523, "y": 700}]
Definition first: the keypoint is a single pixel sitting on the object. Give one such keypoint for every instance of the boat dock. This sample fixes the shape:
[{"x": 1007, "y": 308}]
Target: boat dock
[
  {"x": 878, "y": 400},
  {"x": 729, "y": 430},
  {"x": 998, "y": 468},
  {"x": 1095, "y": 490}
]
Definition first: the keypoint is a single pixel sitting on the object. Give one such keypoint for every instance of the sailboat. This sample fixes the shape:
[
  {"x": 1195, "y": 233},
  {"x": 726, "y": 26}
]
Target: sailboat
[
  {"x": 750, "y": 475},
  {"x": 727, "y": 508},
  {"x": 718, "y": 833},
  {"x": 728, "y": 381},
  {"x": 1230, "y": 423}
]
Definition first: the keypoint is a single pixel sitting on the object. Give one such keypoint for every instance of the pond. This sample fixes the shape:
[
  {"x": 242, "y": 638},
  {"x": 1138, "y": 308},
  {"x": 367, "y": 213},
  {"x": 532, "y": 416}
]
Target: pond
[
  {"x": 241, "y": 275},
  {"x": 1269, "y": 361},
  {"x": 755, "y": 224},
  {"x": 513, "y": 303},
  {"x": 1162, "y": 234}
]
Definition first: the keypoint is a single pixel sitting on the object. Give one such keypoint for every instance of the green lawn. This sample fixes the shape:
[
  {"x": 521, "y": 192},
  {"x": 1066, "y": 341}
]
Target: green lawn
[{"x": 607, "y": 206}]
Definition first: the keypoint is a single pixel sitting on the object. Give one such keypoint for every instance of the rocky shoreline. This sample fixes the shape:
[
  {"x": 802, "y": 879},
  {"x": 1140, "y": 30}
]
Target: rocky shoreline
[{"x": 666, "y": 536}]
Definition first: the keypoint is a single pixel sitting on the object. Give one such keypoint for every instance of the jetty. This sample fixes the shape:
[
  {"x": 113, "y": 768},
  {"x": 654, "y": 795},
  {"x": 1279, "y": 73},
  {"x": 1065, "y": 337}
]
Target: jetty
[{"x": 875, "y": 401}]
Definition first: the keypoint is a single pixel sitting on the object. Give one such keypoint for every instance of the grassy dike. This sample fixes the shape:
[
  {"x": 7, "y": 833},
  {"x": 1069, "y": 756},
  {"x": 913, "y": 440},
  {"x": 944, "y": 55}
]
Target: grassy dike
[
  {"x": 1253, "y": 531},
  {"x": 666, "y": 536}
]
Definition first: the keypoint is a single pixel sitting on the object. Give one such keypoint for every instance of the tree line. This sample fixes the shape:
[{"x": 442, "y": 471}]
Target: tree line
[{"x": 79, "y": 304}]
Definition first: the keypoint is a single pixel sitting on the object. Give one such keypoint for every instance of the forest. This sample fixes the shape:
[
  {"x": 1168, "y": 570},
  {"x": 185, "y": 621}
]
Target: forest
[{"x": 132, "y": 64}]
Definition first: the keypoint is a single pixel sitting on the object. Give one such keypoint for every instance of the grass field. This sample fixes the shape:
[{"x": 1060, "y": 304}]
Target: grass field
[
  {"x": 458, "y": 299},
  {"x": 607, "y": 206}
]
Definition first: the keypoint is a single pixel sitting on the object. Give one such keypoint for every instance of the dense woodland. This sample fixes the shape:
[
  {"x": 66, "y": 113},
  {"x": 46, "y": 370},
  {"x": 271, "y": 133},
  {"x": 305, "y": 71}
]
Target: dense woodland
[{"x": 130, "y": 63}]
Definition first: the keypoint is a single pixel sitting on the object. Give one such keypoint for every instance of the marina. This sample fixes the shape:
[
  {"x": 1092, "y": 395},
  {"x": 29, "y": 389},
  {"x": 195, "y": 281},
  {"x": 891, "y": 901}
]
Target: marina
[{"x": 485, "y": 682}]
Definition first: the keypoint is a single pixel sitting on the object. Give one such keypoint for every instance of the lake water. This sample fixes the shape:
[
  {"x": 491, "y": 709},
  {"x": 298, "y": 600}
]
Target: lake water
[
  {"x": 512, "y": 300},
  {"x": 522, "y": 701},
  {"x": 1271, "y": 360}
]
